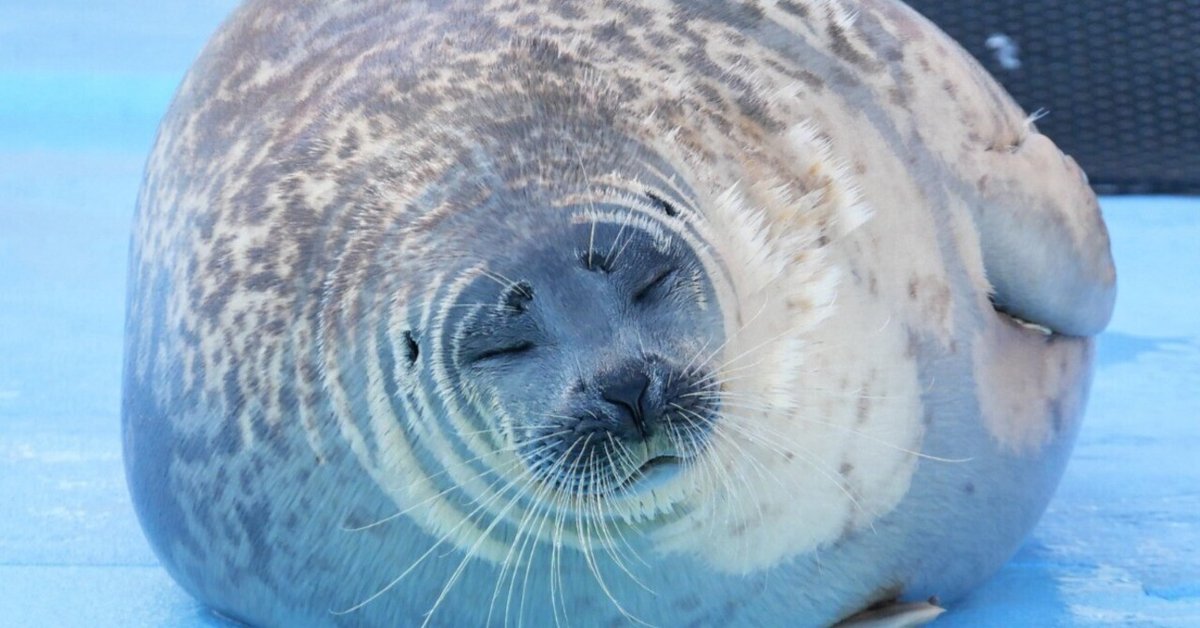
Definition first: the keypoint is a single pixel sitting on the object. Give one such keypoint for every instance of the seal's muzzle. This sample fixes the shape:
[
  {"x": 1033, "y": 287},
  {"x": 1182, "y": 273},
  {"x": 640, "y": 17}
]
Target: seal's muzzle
[{"x": 643, "y": 420}]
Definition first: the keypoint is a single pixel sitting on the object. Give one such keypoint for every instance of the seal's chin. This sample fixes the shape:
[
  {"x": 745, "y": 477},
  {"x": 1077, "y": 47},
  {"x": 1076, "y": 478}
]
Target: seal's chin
[
  {"x": 653, "y": 474},
  {"x": 619, "y": 479}
]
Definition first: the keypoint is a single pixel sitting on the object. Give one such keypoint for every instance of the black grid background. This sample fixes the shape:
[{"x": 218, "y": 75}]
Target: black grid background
[{"x": 1120, "y": 80}]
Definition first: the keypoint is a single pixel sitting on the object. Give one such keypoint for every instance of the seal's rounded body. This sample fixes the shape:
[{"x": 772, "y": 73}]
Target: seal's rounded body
[{"x": 683, "y": 313}]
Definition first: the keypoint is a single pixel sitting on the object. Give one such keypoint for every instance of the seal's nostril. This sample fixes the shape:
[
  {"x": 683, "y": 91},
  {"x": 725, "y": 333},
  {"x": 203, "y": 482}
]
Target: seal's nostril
[{"x": 628, "y": 392}]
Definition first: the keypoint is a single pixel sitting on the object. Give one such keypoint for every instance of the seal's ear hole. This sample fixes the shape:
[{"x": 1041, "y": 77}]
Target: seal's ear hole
[
  {"x": 662, "y": 204},
  {"x": 411, "y": 349}
]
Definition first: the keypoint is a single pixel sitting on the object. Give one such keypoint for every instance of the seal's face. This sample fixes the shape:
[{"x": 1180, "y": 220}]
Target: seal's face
[
  {"x": 587, "y": 343},
  {"x": 590, "y": 355}
]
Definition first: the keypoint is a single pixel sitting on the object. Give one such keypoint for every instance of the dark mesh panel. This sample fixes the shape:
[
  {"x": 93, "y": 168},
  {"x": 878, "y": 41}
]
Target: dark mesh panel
[{"x": 1120, "y": 79}]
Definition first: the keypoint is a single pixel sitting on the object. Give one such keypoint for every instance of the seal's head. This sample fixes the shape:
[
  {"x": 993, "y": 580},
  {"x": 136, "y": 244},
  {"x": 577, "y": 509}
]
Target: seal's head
[
  {"x": 585, "y": 320},
  {"x": 586, "y": 352},
  {"x": 572, "y": 343}
]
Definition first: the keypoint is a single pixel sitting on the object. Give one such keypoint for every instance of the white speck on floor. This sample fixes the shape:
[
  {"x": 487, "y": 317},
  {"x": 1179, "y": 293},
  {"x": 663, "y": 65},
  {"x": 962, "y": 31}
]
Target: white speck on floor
[{"x": 1006, "y": 51}]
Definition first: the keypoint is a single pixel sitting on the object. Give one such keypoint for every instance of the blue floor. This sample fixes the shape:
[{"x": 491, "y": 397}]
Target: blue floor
[{"x": 82, "y": 85}]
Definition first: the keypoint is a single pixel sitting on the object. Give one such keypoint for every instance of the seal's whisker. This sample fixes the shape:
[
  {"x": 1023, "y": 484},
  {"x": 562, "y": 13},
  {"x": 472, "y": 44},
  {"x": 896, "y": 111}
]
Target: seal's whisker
[
  {"x": 717, "y": 380},
  {"x": 548, "y": 502},
  {"x": 717, "y": 350},
  {"x": 523, "y": 489},
  {"x": 749, "y": 487},
  {"x": 742, "y": 453},
  {"x": 693, "y": 416},
  {"x": 460, "y": 464},
  {"x": 694, "y": 450},
  {"x": 609, "y": 258},
  {"x": 723, "y": 395},
  {"x": 770, "y": 438},
  {"x": 687, "y": 366},
  {"x": 556, "y": 583},
  {"x": 600, "y": 521},
  {"x": 498, "y": 277},
  {"x": 736, "y": 473},
  {"x": 725, "y": 401},
  {"x": 551, "y": 415},
  {"x": 426, "y": 500},
  {"x": 543, "y": 501},
  {"x": 537, "y": 463},
  {"x": 717, "y": 484},
  {"x": 481, "y": 306},
  {"x": 771, "y": 441},
  {"x": 589, "y": 553},
  {"x": 486, "y": 430},
  {"x": 527, "y": 538},
  {"x": 543, "y": 443},
  {"x": 590, "y": 558},
  {"x": 496, "y": 520},
  {"x": 752, "y": 350},
  {"x": 594, "y": 215},
  {"x": 466, "y": 518},
  {"x": 515, "y": 550},
  {"x": 625, "y": 456},
  {"x": 808, "y": 389},
  {"x": 748, "y": 403},
  {"x": 628, "y": 458},
  {"x": 556, "y": 569},
  {"x": 718, "y": 375}
]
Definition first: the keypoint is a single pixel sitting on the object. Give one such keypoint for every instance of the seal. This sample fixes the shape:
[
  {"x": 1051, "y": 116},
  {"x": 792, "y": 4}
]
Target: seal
[{"x": 651, "y": 312}]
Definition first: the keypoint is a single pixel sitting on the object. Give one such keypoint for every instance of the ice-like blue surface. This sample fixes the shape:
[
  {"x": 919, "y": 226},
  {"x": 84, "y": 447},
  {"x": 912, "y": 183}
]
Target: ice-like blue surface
[{"x": 82, "y": 85}]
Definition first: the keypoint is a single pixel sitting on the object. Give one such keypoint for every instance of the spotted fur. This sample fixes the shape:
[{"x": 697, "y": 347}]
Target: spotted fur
[{"x": 911, "y": 268}]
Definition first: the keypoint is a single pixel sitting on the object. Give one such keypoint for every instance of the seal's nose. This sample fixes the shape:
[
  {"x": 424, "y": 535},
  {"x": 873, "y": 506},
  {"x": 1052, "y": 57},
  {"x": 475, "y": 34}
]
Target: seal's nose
[{"x": 627, "y": 391}]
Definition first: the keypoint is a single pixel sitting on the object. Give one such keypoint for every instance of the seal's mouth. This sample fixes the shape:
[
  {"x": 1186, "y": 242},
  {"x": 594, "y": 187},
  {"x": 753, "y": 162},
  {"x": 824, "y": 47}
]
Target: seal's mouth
[{"x": 653, "y": 473}]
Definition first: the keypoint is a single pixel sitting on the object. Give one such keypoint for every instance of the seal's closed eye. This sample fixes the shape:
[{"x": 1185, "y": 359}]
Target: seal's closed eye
[
  {"x": 654, "y": 285},
  {"x": 509, "y": 350},
  {"x": 505, "y": 329}
]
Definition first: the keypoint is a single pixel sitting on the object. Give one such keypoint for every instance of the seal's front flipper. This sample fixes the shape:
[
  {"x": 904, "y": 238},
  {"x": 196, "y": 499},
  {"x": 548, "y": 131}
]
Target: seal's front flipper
[
  {"x": 895, "y": 615},
  {"x": 1045, "y": 247}
]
